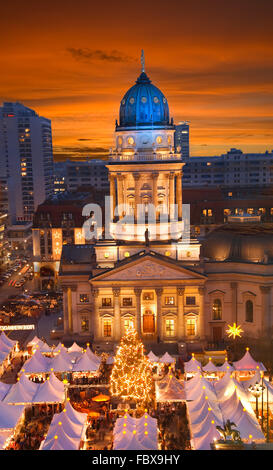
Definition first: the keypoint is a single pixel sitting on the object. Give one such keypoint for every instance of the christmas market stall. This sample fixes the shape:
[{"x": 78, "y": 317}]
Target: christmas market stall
[
  {"x": 11, "y": 420},
  {"x": 136, "y": 433},
  {"x": 247, "y": 366},
  {"x": 67, "y": 430},
  {"x": 192, "y": 367}
]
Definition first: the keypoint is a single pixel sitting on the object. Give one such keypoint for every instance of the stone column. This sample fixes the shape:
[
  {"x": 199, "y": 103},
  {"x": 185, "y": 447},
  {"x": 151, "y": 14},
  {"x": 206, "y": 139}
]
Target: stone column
[
  {"x": 120, "y": 194},
  {"x": 266, "y": 323},
  {"x": 96, "y": 314},
  {"x": 137, "y": 192},
  {"x": 138, "y": 292},
  {"x": 160, "y": 331},
  {"x": 233, "y": 286},
  {"x": 155, "y": 196},
  {"x": 65, "y": 310},
  {"x": 171, "y": 196},
  {"x": 180, "y": 313},
  {"x": 113, "y": 193},
  {"x": 116, "y": 292},
  {"x": 201, "y": 291},
  {"x": 179, "y": 193}
]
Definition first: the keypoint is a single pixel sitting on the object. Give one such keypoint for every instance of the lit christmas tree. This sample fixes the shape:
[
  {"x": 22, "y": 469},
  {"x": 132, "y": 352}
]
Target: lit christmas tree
[{"x": 131, "y": 376}]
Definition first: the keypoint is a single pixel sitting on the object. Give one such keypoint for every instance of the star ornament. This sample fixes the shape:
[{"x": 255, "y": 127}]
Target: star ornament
[{"x": 234, "y": 330}]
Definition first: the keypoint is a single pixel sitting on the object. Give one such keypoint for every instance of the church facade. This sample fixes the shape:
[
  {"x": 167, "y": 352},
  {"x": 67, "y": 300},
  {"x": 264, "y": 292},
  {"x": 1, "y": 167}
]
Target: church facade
[{"x": 147, "y": 272}]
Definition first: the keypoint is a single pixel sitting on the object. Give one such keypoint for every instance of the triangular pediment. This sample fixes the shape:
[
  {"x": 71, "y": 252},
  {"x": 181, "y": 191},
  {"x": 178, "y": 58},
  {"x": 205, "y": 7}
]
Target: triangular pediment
[{"x": 149, "y": 268}]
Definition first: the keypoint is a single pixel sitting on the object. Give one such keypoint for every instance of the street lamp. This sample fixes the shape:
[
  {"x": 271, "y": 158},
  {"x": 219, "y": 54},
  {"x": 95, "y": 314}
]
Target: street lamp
[{"x": 256, "y": 390}]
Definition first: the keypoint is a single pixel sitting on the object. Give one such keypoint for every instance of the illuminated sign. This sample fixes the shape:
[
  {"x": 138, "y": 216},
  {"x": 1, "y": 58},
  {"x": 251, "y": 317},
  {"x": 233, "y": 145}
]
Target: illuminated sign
[
  {"x": 57, "y": 242},
  {"x": 17, "y": 327}
]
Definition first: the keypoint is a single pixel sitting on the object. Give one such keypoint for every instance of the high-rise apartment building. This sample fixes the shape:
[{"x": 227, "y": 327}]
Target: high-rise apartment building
[
  {"x": 182, "y": 139},
  {"x": 26, "y": 160}
]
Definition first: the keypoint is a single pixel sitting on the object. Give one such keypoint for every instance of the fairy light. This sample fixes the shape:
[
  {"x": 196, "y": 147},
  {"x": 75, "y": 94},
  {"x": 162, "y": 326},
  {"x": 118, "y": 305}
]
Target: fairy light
[{"x": 131, "y": 375}]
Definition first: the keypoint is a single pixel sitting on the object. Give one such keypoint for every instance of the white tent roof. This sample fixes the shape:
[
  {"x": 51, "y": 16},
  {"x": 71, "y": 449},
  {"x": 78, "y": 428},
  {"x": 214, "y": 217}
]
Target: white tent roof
[
  {"x": 152, "y": 357},
  {"x": 4, "y": 389},
  {"x": 22, "y": 392},
  {"x": 34, "y": 342},
  {"x": 203, "y": 443},
  {"x": 73, "y": 415},
  {"x": 73, "y": 430},
  {"x": 74, "y": 348},
  {"x": 170, "y": 390},
  {"x": 94, "y": 358},
  {"x": 193, "y": 389},
  {"x": 167, "y": 359},
  {"x": 85, "y": 364},
  {"x": 3, "y": 356},
  {"x": 5, "y": 339},
  {"x": 48, "y": 394},
  {"x": 248, "y": 363},
  {"x": 210, "y": 367},
  {"x": 4, "y": 347},
  {"x": 4, "y": 435},
  {"x": 130, "y": 442},
  {"x": 56, "y": 383},
  {"x": 36, "y": 364},
  {"x": 192, "y": 366},
  {"x": 226, "y": 367},
  {"x": 10, "y": 415},
  {"x": 61, "y": 362},
  {"x": 65, "y": 442},
  {"x": 146, "y": 418},
  {"x": 60, "y": 347}
]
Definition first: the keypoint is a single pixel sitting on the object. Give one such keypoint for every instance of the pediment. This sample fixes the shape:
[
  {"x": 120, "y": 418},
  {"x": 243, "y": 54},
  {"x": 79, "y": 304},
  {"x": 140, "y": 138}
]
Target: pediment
[{"x": 149, "y": 268}]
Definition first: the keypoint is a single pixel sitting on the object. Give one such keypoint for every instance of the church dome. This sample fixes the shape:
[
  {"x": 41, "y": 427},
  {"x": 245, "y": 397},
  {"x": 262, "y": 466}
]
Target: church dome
[
  {"x": 144, "y": 105},
  {"x": 240, "y": 243}
]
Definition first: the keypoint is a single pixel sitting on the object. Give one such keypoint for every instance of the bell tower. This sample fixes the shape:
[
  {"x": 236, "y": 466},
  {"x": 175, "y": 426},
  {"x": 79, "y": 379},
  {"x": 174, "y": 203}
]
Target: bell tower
[{"x": 145, "y": 173}]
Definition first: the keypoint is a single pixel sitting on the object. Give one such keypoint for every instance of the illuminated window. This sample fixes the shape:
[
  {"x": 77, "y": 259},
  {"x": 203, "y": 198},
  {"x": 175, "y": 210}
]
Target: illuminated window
[
  {"x": 190, "y": 300},
  {"x": 191, "y": 326},
  {"x": 84, "y": 298},
  {"x": 107, "y": 328},
  {"x": 159, "y": 139},
  {"x": 156, "y": 100},
  {"x": 169, "y": 301},
  {"x": 144, "y": 99},
  {"x": 169, "y": 327},
  {"x": 128, "y": 323},
  {"x": 106, "y": 302},
  {"x": 188, "y": 254},
  {"x": 167, "y": 253},
  {"x": 130, "y": 140},
  {"x": 84, "y": 324},
  {"x": 217, "y": 310},
  {"x": 249, "y": 311},
  {"x": 132, "y": 100},
  {"x": 106, "y": 255},
  {"x": 127, "y": 302}
]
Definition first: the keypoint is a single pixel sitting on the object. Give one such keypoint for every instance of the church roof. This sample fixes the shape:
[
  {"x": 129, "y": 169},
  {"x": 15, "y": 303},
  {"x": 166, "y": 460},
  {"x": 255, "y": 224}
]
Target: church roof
[{"x": 144, "y": 105}]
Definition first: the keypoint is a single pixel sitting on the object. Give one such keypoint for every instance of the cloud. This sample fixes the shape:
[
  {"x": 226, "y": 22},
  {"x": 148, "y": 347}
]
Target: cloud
[{"x": 86, "y": 54}]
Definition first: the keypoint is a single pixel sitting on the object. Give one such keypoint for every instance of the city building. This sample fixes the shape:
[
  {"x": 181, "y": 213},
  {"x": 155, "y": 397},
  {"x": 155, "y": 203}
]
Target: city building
[
  {"x": 26, "y": 160},
  {"x": 72, "y": 175},
  {"x": 182, "y": 139},
  {"x": 234, "y": 169},
  {"x": 57, "y": 221},
  {"x": 149, "y": 274}
]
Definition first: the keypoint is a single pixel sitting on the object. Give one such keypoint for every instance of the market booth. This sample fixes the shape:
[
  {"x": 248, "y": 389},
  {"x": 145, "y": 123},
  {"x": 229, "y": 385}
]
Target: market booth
[
  {"x": 11, "y": 420},
  {"x": 247, "y": 366},
  {"x": 135, "y": 433}
]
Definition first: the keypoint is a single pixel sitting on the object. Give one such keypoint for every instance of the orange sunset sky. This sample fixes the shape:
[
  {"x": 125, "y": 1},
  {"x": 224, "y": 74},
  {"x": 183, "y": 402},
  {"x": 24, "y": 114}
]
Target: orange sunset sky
[{"x": 72, "y": 61}]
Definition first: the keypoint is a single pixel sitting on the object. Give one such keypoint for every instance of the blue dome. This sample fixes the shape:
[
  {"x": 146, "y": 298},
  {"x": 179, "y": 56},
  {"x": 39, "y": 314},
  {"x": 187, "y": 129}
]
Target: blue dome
[{"x": 144, "y": 105}]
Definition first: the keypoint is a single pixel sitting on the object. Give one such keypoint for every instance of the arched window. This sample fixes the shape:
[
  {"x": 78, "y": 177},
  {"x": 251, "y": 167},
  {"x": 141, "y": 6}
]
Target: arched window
[
  {"x": 249, "y": 311},
  {"x": 217, "y": 310}
]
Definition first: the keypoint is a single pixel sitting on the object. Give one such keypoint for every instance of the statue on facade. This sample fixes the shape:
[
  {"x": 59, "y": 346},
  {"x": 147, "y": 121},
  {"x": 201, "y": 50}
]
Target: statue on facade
[{"x": 147, "y": 234}]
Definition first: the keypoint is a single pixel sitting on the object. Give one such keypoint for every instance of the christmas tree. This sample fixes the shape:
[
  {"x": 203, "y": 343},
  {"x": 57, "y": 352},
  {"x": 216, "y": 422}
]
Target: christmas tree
[{"x": 131, "y": 376}]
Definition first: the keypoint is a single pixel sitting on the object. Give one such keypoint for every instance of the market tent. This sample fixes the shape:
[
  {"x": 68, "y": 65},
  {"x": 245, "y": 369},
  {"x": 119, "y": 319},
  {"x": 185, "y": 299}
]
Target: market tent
[
  {"x": 10, "y": 415},
  {"x": 60, "y": 347},
  {"x": 130, "y": 442},
  {"x": 6, "y": 340},
  {"x": 203, "y": 442},
  {"x": 85, "y": 364},
  {"x": 74, "y": 348},
  {"x": 193, "y": 389},
  {"x": 198, "y": 410},
  {"x": 202, "y": 425},
  {"x": 226, "y": 367},
  {"x": 64, "y": 442},
  {"x": 229, "y": 387},
  {"x": 247, "y": 363},
  {"x": 56, "y": 383},
  {"x": 244, "y": 418},
  {"x": 210, "y": 367},
  {"x": 4, "y": 436},
  {"x": 94, "y": 358},
  {"x": 4, "y": 389},
  {"x": 35, "y": 342},
  {"x": 192, "y": 366},
  {"x": 73, "y": 430},
  {"x": 152, "y": 357},
  {"x": 48, "y": 394},
  {"x": 167, "y": 359},
  {"x": 73, "y": 415},
  {"x": 146, "y": 418},
  {"x": 110, "y": 360},
  {"x": 171, "y": 390},
  {"x": 36, "y": 364},
  {"x": 251, "y": 381},
  {"x": 4, "y": 347},
  {"x": 61, "y": 362},
  {"x": 22, "y": 392}
]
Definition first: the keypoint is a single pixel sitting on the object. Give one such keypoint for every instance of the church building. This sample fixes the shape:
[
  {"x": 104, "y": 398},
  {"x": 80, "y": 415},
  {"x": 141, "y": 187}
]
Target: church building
[{"x": 147, "y": 272}]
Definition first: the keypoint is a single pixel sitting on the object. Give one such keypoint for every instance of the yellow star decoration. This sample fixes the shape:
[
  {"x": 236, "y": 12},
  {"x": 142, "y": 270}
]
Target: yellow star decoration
[{"x": 234, "y": 330}]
